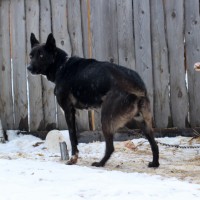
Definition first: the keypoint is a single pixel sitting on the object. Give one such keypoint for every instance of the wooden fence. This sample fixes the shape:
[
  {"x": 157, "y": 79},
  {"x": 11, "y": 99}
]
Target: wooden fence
[{"x": 158, "y": 38}]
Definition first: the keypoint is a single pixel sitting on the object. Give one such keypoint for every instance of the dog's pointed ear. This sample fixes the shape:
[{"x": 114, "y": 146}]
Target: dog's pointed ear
[
  {"x": 51, "y": 42},
  {"x": 33, "y": 40}
]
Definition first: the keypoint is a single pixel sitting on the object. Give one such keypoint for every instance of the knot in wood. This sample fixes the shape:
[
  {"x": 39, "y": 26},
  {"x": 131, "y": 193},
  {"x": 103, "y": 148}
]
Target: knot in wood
[
  {"x": 194, "y": 22},
  {"x": 180, "y": 94},
  {"x": 3, "y": 68},
  {"x": 173, "y": 14},
  {"x": 62, "y": 42}
]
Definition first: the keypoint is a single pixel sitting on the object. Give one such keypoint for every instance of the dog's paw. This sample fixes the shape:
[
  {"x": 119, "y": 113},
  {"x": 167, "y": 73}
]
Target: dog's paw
[
  {"x": 97, "y": 164},
  {"x": 154, "y": 164},
  {"x": 73, "y": 160}
]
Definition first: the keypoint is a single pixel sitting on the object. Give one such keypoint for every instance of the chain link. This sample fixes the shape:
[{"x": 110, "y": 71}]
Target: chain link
[{"x": 179, "y": 146}]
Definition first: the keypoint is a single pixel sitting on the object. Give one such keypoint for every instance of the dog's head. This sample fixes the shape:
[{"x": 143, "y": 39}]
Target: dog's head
[{"x": 42, "y": 55}]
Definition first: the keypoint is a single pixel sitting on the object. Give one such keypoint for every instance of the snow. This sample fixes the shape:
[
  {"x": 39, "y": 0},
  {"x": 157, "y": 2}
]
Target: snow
[{"x": 30, "y": 170}]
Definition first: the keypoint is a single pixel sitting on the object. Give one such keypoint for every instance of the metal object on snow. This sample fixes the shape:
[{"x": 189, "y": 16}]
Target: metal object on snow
[
  {"x": 2, "y": 139},
  {"x": 64, "y": 151}
]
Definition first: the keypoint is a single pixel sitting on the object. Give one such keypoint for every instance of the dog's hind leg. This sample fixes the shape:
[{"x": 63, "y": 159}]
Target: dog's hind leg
[
  {"x": 108, "y": 152},
  {"x": 108, "y": 119},
  {"x": 144, "y": 105},
  {"x": 117, "y": 109}
]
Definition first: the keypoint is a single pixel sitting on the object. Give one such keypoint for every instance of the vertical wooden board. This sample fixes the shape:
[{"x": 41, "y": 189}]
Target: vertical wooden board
[
  {"x": 175, "y": 35},
  {"x": 160, "y": 65},
  {"x": 60, "y": 31},
  {"x": 6, "y": 103},
  {"x": 110, "y": 12},
  {"x": 85, "y": 21},
  {"x": 75, "y": 32},
  {"x": 87, "y": 49},
  {"x": 192, "y": 41},
  {"x": 35, "y": 86},
  {"x": 18, "y": 53},
  {"x": 126, "y": 50},
  {"x": 143, "y": 44},
  {"x": 49, "y": 104},
  {"x": 74, "y": 26},
  {"x": 104, "y": 36},
  {"x": 104, "y": 30}
]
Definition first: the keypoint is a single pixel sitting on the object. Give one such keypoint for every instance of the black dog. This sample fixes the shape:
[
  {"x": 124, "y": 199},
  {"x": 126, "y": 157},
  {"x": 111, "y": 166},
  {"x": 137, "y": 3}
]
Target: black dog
[{"x": 87, "y": 83}]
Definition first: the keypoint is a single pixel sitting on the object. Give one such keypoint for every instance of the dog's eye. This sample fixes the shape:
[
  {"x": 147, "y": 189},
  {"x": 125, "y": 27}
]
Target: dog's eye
[
  {"x": 30, "y": 56},
  {"x": 41, "y": 55}
]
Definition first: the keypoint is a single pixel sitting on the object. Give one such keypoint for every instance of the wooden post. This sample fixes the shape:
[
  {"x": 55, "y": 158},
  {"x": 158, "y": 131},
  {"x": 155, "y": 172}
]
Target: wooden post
[
  {"x": 91, "y": 112},
  {"x": 18, "y": 54},
  {"x": 48, "y": 98},
  {"x": 143, "y": 44},
  {"x": 6, "y": 99},
  {"x": 35, "y": 87},
  {"x": 75, "y": 33},
  {"x": 160, "y": 65},
  {"x": 126, "y": 48},
  {"x": 61, "y": 33},
  {"x": 192, "y": 41},
  {"x": 175, "y": 37}
]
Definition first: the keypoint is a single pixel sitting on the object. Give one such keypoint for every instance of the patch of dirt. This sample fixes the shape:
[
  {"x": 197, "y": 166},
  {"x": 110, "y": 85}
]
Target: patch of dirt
[{"x": 183, "y": 164}]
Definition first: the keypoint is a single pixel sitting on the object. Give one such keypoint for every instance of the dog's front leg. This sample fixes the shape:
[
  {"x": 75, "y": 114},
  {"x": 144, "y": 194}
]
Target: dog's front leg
[
  {"x": 69, "y": 111},
  {"x": 70, "y": 119}
]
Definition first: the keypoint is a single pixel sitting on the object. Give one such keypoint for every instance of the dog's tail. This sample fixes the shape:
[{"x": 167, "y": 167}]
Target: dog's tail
[{"x": 129, "y": 81}]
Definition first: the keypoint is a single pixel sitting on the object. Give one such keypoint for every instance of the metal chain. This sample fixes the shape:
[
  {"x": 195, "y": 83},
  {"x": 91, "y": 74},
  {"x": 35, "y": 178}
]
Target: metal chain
[
  {"x": 178, "y": 146},
  {"x": 181, "y": 146},
  {"x": 139, "y": 135}
]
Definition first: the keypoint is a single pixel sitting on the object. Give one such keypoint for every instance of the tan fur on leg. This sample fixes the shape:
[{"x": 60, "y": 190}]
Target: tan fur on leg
[{"x": 73, "y": 160}]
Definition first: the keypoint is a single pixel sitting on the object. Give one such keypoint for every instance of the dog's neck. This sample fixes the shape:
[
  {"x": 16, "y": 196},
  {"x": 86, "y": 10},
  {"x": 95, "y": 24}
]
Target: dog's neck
[{"x": 61, "y": 58}]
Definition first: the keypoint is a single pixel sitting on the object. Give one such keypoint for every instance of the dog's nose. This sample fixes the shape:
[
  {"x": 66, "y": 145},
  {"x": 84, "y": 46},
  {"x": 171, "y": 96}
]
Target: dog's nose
[{"x": 29, "y": 67}]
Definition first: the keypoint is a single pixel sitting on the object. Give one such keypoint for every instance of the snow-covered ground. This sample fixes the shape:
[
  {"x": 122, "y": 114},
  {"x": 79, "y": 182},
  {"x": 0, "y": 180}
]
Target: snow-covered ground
[{"x": 31, "y": 169}]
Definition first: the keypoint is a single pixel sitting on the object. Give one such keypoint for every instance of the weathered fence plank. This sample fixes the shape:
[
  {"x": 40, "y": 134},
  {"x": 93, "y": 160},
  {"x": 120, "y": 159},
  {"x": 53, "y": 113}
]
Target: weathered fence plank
[
  {"x": 75, "y": 32},
  {"x": 126, "y": 50},
  {"x": 192, "y": 41},
  {"x": 143, "y": 44},
  {"x": 35, "y": 86},
  {"x": 104, "y": 29},
  {"x": 60, "y": 31},
  {"x": 85, "y": 19},
  {"x": 6, "y": 104},
  {"x": 87, "y": 45},
  {"x": 49, "y": 103},
  {"x": 160, "y": 65},
  {"x": 175, "y": 34},
  {"x": 18, "y": 53}
]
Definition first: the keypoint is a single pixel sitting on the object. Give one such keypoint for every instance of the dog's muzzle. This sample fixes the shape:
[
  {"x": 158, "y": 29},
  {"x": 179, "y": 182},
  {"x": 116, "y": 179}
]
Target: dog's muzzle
[
  {"x": 29, "y": 68},
  {"x": 32, "y": 70}
]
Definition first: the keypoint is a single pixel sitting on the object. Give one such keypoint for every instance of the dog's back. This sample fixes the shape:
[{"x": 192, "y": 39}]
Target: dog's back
[{"x": 90, "y": 80}]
